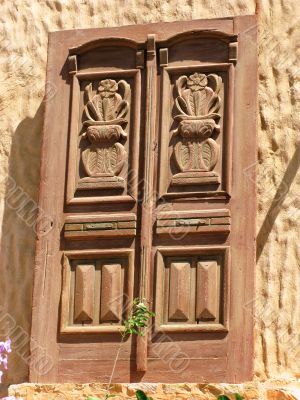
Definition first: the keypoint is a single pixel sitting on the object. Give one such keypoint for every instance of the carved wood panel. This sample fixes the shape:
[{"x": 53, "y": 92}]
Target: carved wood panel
[
  {"x": 95, "y": 226},
  {"x": 179, "y": 283},
  {"x": 112, "y": 282},
  {"x": 208, "y": 288},
  {"x": 105, "y": 126},
  {"x": 180, "y": 223},
  {"x": 196, "y": 153},
  {"x": 97, "y": 289},
  {"x": 192, "y": 291},
  {"x": 84, "y": 293},
  {"x": 143, "y": 176},
  {"x": 104, "y": 117},
  {"x": 196, "y": 125}
]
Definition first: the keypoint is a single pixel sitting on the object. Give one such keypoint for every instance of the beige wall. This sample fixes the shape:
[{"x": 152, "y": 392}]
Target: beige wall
[{"x": 24, "y": 28}]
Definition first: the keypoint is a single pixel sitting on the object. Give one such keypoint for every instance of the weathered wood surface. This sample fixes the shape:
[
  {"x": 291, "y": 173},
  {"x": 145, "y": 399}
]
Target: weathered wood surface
[{"x": 143, "y": 175}]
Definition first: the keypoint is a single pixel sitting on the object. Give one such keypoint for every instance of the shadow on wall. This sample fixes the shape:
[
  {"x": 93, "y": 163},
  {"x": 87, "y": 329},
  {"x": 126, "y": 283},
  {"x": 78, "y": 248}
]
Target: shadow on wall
[
  {"x": 18, "y": 239},
  {"x": 18, "y": 244},
  {"x": 277, "y": 202}
]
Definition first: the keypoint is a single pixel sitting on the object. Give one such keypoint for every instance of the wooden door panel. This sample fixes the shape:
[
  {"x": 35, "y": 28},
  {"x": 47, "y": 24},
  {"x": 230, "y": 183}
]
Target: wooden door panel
[
  {"x": 172, "y": 371},
  {"x": 84, "y": 293},
  {"x": 198, "y": 199},
  {"x": 178, "y": 224},
  {"x": 157, "y": 126},
  {"x": 105, "y": 123},
  {"x": 88, "y": 226},
  {"x": 192, "y": 290},
  {"x": 180, "y": 282},
  {"x": 208, "y": 297},
  {"x": 97, "y": 290},
  {"x": 196, "y": 104}
]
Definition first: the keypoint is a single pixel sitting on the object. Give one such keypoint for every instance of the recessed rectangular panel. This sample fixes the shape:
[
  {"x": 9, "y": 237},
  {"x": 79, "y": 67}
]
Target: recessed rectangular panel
[
  {"x": 84, "y": 293},
  {"x": 179, "y": 299},
  {"x": 88, "y": 226},
  {"x": 192, "y": 289},
  {"x": 105, "y": 112},
  {"x": 97, "y": 289},
  {"x": 111, "y": 293},
  {"x": 195, "y": 130},
  {"x": 208, "y": 291},
  {"x": 104, "y": 136},
  {"x": 181, "y": 223}
]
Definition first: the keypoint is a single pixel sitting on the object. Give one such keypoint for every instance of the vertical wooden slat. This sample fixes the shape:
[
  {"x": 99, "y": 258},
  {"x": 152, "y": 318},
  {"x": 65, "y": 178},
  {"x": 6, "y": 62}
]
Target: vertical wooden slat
[
  {"x": 179, "y": 297},
  {"x": 65, "y": 296},
  {"x": 75, "y": 94},
  {"x": 84, "y": 293},
  {"x": 111, "y": 293},
  {"x": 147, "y": 205},
  {"x": 243, "y": 204},
  {"x": 208, "y": 291}
]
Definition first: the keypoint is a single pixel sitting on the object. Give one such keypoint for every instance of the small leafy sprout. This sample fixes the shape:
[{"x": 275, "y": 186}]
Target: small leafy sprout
[
  {"x": 140, "y": 395},
  {"x": 137, "y": 319}
]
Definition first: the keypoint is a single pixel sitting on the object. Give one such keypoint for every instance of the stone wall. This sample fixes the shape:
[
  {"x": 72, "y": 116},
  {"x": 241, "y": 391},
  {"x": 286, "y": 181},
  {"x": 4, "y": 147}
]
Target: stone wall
[
  {"x": 271, "y": 390},
  {"x": 24, "y": 27}
]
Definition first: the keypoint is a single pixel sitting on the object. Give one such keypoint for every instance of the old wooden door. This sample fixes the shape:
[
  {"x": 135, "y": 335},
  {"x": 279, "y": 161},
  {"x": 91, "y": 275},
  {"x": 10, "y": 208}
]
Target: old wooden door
[{"x": 147, "y": 190}]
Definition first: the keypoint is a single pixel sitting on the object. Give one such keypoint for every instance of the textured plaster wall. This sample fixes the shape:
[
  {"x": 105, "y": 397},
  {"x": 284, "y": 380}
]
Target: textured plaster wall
[
  {"x": 23, "y": 32},
  {"x": 270, "y": 390}
]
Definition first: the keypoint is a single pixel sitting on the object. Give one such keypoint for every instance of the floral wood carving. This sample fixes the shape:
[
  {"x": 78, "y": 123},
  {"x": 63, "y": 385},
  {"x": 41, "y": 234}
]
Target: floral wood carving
[
  {"x": 196, "y": 153},
  {"x": 104, "y": 119}
]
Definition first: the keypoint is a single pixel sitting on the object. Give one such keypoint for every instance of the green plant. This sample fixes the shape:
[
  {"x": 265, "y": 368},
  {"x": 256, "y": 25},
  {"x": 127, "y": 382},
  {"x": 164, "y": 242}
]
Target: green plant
[
  {"x": 107, "y": 396},
  {"x": 224, "y": 397},
  {"x": 137, "y": 320},
  {"x": 140, "y": 395}
]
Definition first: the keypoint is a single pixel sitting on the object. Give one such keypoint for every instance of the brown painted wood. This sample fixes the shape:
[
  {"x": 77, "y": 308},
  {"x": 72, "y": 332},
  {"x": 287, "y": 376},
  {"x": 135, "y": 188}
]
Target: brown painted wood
[
  {"x": 143, "y": 193},
  {"x": 180, "y": 282},
  {"x": 208, "y": 291},
  {"x": 111, "y": 293},
  {"x": 148, "y": 195},
  {"x": 100, "y": 283},
  {"x": 195, "y": 295},
  {"x": 91, "y": 371},
  {"x": 84, "y": 293}
]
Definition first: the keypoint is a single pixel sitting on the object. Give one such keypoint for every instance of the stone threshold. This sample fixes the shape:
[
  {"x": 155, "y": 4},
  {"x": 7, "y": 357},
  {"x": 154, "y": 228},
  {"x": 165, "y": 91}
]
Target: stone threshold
[{"x": 256, "y": 390}]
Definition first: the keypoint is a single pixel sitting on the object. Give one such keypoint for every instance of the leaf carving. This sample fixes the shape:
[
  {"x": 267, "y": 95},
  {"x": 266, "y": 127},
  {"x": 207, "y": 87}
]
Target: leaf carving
[
  {"x": 191, "y": 101},
  {"x": 214, "y": 153},
  {"x": 105, "y": 117},
  {"x": 104, "y": 160},
  {"x": 181, "y": 105},
  {"x": 107, "y": 105},
  {"x": 183, "y": 156},
  {"x": 206, "y": 155},
  {"x": 198, "y": 102},
  {"x": 198, "y": 94},
  {"x": 89, "y": 159},
  {"x": 112, "y": 159},
  {"x": 121, "y": 154}
]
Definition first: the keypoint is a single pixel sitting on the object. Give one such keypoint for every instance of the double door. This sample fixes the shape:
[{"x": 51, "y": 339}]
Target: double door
[{"x": 147, "y": 191}]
